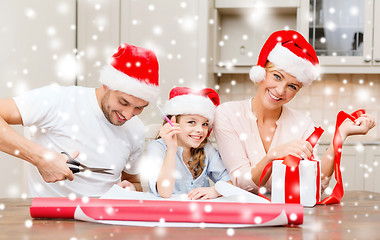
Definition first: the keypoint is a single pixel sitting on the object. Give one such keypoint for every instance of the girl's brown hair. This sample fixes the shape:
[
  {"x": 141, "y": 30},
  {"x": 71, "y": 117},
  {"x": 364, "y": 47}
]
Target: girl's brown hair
[{"x": 198, "y": 154}]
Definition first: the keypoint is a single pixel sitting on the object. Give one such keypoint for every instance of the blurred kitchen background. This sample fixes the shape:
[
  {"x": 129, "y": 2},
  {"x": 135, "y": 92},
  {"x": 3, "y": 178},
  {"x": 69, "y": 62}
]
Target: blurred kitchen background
[{"x": 199, "y": 43}]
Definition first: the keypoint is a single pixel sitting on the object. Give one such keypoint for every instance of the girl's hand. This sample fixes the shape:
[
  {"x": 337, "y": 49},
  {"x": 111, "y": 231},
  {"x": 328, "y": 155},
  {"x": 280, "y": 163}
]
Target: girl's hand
[
  {"x": 203, "y": 193},
  {"x": 168, "y": 133},
  {"x": 361, "y": 126},
  {"x": 298, "y": 148}
]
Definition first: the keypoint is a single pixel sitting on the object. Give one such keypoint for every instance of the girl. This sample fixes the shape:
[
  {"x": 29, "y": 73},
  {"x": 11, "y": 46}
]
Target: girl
[
  {"x": 186, "y": 160},
  {"x": 252, "y": 133}
]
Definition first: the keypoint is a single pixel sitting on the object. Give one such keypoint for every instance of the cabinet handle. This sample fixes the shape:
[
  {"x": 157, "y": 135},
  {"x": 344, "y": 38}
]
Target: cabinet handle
[
  {"x": 367, "y": 60},
  {"x": 377, "y": 59}
]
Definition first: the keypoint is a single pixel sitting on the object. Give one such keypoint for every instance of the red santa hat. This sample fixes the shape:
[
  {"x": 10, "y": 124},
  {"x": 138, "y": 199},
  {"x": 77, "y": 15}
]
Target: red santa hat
[
  {"x": 183, "y": 100},
  {"x": 132, "y": 70},
  {"x": 287, "y": 50}
]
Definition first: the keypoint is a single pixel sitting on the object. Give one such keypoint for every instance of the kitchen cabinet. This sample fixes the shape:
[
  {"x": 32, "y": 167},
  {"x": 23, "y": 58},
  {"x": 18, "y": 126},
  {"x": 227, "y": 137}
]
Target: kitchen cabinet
[
  {"x": 179, "y": 33},
  {"x": 242, "y": 27},
  {"x": 98, "y": 36},
  {"x": 351, "y": 159},
  {"x": 344, "y": 35},
  {"x": 343, "y": 32},
  {"x": 359, "y": 166},
  {"x": 371, "y": 168},
  {"x": 37, "y": 43}
]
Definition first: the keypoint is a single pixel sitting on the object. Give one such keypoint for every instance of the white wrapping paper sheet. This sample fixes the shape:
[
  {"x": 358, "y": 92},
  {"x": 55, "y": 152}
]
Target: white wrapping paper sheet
[{"x": 230, "y": 194}]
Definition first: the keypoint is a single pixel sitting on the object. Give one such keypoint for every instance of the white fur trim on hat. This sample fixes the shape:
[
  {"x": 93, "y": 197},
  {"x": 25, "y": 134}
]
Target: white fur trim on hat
[
  {"x": 191, "y": 104},
  {"x": 119, "y": 81},
  {"x": 257, "y": 74},
  {"x": 298, "y": 67}
]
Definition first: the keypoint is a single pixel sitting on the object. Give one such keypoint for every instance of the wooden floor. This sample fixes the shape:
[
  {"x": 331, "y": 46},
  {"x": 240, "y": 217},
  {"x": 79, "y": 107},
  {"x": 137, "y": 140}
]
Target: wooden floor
[{"x": 358, "y": 217}]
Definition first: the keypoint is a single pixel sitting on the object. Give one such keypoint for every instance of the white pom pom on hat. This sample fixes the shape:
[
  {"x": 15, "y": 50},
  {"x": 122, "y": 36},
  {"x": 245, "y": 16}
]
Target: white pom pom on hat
[
  {"x": 287, "y": 50},
  {"x": 257, "y": 73}
]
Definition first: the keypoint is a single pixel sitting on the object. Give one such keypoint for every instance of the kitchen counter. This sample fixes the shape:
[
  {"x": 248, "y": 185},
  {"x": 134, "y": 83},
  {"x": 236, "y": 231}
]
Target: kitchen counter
[{"x": 354, "y": 143}]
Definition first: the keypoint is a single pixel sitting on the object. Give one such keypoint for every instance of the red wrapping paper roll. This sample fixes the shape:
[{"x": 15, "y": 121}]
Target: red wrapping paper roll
[
  {"x": 169, "y": 211},
  {"x": 44, "y": 207}
]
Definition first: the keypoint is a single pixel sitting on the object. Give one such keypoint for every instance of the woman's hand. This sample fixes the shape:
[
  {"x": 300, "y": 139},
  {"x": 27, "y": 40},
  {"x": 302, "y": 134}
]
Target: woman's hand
[
  {"x": 298, "y": 148},
  {"x": 168, "y": 133},
  {"x": 361, "y": 126},
  {"x": 203, "y": 193}
]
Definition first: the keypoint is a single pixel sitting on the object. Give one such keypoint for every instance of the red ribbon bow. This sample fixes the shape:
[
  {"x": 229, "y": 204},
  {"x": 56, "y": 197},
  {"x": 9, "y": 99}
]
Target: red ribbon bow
[
  {"x": 338, "y": 190},
  {"x": 292, "y": 190}
]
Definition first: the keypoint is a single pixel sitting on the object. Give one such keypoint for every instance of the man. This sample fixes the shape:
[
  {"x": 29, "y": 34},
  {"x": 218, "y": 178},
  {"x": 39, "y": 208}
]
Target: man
[{"x": 98, "y": 127}]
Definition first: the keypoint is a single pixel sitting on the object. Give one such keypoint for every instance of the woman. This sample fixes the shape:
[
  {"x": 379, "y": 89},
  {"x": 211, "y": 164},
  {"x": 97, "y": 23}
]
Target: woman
[{"x": 252, "y": 133}]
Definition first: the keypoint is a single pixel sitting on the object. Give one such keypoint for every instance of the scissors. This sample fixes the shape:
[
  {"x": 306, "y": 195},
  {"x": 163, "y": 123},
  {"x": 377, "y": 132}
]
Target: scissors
[{"x": 74, "y": 162}]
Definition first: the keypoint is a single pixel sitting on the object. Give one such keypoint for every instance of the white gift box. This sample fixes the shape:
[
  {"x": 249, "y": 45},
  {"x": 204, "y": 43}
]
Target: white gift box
[{"x": 310, "y": 182}]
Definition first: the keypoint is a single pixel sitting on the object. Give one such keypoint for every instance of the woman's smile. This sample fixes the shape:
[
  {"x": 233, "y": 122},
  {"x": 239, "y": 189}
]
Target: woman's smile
[{"x": 272, "y": 96}]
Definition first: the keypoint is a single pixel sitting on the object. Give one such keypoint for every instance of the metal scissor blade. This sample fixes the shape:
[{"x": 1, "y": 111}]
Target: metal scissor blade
[
  {"x": 84, "y": 167},
  {"x": 100, "y": 170}
]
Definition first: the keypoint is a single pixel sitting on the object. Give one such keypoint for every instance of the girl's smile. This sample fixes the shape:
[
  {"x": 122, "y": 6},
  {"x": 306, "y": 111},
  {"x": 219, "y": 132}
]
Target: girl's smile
[{"x": 196, "y": 137}]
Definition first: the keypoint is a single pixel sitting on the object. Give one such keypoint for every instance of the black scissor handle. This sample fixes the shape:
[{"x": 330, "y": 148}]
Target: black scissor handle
[
  {"x": 74, "y": 170},
  {"x": 71, "y": 160}
]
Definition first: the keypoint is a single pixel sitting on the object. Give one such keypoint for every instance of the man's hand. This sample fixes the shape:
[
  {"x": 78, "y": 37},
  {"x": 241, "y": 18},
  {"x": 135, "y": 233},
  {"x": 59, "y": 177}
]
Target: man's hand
[
  {"x": 53, "y": 167},
  {"x": 127, "y": 185},
  {"x": 130, "y": 179}
]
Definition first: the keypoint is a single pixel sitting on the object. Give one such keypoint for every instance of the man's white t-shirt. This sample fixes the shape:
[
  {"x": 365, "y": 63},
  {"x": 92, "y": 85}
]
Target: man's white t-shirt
[{"x": 70, "y": 119}]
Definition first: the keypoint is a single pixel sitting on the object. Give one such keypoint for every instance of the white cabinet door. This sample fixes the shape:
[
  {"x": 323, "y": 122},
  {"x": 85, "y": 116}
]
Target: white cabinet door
[
  {"x": 177, "y": 31},
  {"x": 371, "y": 168},
  {"x": 352, "y": 168},
  {"x": 37, "y": 43},
  {"x": 98, "y": 38},
  {"x": 376, "y": 35},
  {"x": 352, "y": 162}
]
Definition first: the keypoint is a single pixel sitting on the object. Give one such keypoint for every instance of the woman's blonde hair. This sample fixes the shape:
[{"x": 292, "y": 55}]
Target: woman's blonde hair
[
  {"x": 198, "y": 154},
  {"x": 269, "y": 67}
]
